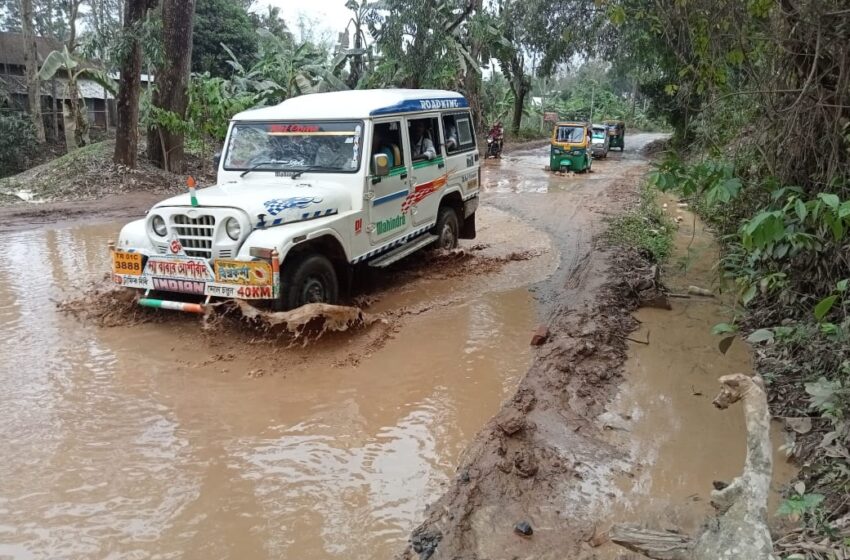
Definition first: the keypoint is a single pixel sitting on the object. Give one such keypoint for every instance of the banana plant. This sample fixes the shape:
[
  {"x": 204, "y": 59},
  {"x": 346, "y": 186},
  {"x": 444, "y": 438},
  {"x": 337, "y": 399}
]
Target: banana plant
[
  {"x": 295, "y": 69},
  {"x": 62, "y": 60}
]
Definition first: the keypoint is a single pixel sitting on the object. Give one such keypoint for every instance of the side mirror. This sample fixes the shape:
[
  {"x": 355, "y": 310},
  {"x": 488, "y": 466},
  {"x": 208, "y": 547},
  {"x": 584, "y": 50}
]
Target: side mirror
[
  {"x": 216, "y": 159},
  {"x": 381, "y": 164}
]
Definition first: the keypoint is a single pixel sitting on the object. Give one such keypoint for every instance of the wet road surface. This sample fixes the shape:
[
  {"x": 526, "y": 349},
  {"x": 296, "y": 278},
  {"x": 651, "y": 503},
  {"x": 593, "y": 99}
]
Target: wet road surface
[{"x": 165, "y": 440}]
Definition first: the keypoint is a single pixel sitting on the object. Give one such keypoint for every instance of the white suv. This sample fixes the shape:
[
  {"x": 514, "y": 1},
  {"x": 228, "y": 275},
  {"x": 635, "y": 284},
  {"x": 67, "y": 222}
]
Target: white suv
[{"x": 306, "y": 189}]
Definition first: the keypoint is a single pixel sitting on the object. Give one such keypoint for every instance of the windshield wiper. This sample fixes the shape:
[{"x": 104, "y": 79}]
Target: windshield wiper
[
  {"x": 258, "y": 165},
  {"x": 313, "y": 168}
]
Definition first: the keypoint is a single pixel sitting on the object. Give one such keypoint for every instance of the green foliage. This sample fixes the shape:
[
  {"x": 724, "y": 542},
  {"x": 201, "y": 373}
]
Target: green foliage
[
  {"x": 220, "y": 22},
  {"x": 212, "y": 103},
  {"x": 799, "y": 504},
  {"x": 646, "y": 228},
  {"x": 18, "y": 143},
  {"x": 423, "y": 44}
]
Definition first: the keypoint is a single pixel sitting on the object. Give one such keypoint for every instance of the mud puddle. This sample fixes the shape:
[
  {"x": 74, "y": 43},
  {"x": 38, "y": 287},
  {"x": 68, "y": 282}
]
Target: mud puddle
[
  {"x": 164, "y": 439},
  {"x": 676, "y": 442},
  {"x": 525, "y": 170}
]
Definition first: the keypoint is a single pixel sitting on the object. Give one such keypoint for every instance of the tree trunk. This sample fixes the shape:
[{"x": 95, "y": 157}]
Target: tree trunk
[
  {"x": 165, "y": 147},
  {"x": 129, "y": 87},
  {"x": 31, "y": 61},
  {"x": 79, "y": 112},
  {"x": 472, "y": 79},
  {"x": 56, "y": 109},
  {"x": 520, "y": 91}
]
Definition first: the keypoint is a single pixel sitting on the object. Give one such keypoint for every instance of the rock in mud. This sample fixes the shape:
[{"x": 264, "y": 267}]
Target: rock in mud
[
  {"x": 697, "y": 291},
  {"x": 523, "y": 528},
  {"x": 512, "y": 423},
  {"x": 598, "y": 539},
  {"x": 525, "y": 465},
  {"x": 424, "y": 542},
  {"x": 541, "y": 335}
]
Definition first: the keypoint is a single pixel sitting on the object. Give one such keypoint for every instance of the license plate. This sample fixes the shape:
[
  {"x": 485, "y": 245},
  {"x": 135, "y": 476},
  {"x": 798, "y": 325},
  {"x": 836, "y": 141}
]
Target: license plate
[{"x": 127, "y": 263}]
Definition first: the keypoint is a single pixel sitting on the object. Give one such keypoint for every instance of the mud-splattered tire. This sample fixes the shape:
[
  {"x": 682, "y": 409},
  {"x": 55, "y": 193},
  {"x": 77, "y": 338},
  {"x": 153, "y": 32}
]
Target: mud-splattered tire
[
  {"x": 447, "y": 229},
  {"x": 309, "y": 278}
]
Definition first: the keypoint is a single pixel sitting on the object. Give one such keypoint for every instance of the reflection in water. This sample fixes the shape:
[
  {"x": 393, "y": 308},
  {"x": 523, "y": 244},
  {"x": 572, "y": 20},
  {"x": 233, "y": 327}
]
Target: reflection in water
[{"x": 132, "y": 442}]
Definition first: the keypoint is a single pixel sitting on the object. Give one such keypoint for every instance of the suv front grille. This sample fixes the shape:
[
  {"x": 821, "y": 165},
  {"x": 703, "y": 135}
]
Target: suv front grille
[{"x": 195, "y": 234}]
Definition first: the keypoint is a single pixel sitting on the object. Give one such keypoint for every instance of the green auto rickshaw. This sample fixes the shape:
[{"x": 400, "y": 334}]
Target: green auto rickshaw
[
  {"x": 617, "y": 134},
  {"x": 570, "y": 147}
]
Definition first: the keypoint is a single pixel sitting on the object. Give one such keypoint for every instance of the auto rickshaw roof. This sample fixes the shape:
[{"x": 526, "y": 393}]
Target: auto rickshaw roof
[{"x": 618, "y": 123}]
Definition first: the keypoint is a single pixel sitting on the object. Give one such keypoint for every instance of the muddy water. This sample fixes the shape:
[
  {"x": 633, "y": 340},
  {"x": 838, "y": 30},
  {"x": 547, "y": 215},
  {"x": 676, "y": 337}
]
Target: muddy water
[
  {"x": 677, "y": 442},
  {"x": 525, "y": 171},
  {"x": 164, "y": 440}
]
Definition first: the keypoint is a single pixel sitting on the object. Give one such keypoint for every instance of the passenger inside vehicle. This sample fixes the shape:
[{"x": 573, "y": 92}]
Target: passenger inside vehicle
[
  {"x": 420, "y": 133},
  {"x": 387, "y": 140}
]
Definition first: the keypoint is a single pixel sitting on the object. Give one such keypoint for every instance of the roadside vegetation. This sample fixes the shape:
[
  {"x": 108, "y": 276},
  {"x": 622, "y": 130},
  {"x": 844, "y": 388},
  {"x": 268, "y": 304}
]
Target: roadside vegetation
[
  {"x": 758, "y": 93},
  {"x": 645, "y": 228}
]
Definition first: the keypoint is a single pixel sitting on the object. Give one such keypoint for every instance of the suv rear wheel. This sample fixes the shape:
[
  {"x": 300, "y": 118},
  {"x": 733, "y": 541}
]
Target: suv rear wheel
[{"x": 309, "y": 278}]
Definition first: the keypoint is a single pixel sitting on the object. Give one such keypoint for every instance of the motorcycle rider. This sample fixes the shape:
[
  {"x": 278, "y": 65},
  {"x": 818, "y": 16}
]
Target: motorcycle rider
[{"x": 496, "y": 135}]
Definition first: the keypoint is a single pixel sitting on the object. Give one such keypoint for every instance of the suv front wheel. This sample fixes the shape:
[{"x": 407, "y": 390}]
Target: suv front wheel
[
  {"x": 309, "y": 278},
  {"x": 447, "y": 229}
]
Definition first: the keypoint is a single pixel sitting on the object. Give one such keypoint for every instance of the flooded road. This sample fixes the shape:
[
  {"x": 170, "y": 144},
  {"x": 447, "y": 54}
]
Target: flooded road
[{"x": 165, "y": 440}]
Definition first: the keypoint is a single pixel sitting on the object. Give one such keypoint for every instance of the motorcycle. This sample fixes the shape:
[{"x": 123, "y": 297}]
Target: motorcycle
[{"x": 494, "y": 146}]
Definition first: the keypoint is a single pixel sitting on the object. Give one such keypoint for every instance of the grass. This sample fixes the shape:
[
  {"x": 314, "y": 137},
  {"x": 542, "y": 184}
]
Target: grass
[{"x": 644, "y": 228}]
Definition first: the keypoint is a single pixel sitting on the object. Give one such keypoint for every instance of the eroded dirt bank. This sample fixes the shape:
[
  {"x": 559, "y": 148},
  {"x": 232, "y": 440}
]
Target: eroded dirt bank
[{"x": 538, "y": 449}]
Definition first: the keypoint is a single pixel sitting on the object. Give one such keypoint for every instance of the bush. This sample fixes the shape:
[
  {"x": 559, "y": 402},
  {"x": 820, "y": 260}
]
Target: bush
[{"x": 18, "y": 143}]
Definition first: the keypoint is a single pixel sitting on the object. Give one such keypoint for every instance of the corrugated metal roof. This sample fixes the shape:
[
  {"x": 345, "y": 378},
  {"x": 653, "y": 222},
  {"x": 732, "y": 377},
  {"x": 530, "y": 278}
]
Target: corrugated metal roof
[{"x": 18, "y": 85}]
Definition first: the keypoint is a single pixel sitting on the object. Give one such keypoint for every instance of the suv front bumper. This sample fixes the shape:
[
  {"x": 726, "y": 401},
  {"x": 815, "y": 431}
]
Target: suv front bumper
[{"x": 178, "y": 273}]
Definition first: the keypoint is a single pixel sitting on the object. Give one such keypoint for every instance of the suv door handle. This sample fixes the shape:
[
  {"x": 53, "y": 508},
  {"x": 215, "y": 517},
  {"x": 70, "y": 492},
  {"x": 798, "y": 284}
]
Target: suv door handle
[
  {"x": 441, "y": 165},
  {"x": 404, "y": 175}
]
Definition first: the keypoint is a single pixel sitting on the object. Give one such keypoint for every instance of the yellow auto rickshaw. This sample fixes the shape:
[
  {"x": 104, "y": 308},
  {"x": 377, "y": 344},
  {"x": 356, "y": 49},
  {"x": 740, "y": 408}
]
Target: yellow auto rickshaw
[
  {"x": 570, "y": 147},
  {"x": 617, "y": 134}
]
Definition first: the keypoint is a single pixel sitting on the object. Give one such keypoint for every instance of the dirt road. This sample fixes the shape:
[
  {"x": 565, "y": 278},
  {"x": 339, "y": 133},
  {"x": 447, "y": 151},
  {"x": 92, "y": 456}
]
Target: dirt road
[{"x": 171, "y": 438}]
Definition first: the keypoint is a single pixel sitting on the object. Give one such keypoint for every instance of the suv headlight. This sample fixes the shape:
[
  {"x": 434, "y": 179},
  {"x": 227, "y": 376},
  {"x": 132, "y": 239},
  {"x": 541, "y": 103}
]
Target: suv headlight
[
  {"x": 158, "y": 225},
  {"x": 233, "y": 229}
]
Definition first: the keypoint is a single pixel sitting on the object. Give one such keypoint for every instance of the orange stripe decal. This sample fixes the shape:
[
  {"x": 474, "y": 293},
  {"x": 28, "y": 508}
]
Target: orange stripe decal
[{"x": 420, "y": 192}]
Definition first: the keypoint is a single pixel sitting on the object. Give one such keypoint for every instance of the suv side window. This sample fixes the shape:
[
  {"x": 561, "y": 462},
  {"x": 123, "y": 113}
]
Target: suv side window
[
  {"x": 458, "y": 131},
  {"x": 424, "y": 136},
  {"x": 386, "y": 139}
]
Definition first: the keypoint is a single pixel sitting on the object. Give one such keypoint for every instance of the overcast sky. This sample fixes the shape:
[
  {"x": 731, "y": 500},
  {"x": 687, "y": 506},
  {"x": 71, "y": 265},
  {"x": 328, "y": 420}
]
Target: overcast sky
[{"x": 330, "y": 15}]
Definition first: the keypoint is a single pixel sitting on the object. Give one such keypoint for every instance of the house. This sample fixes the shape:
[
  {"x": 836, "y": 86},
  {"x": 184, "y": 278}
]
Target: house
[{"x": 13, "y": 87}]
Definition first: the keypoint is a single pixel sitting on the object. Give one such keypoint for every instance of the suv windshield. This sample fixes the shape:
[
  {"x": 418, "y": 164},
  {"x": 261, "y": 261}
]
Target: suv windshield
[
  {"x": 328, "y": 147},
  {"x": 570, "y": 134}
]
